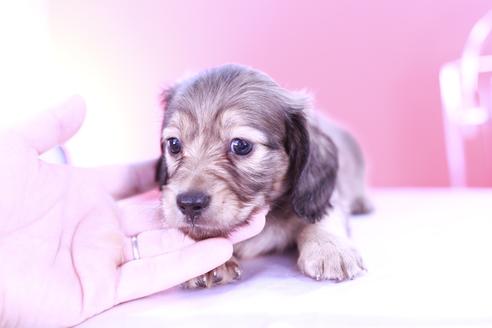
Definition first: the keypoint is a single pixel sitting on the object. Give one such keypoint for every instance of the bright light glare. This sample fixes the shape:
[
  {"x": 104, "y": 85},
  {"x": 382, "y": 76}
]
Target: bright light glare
[
  {"x": 30, "y": 79},
  {"x": 449, "y": 79},
  {"x": 452, "y": 98}
]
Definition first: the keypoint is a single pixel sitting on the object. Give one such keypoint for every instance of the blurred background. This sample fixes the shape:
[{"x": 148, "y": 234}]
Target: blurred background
[{"x": 373, "y": 66}]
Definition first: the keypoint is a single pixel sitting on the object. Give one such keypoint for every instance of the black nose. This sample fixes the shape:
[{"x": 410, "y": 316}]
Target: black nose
[{"x": 192, "y": 203}]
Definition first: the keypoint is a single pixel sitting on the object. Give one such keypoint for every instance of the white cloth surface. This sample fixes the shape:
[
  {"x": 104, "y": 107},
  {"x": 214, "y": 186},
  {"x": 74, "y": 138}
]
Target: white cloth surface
[{"x": 428, "y": 254}]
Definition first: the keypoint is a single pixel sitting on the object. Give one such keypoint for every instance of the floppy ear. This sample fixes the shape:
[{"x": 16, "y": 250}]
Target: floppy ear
[
  {"x": 312, "y": 169},
  {"x": 166, "y": 96},
  {"x": 161, "y": 170}
]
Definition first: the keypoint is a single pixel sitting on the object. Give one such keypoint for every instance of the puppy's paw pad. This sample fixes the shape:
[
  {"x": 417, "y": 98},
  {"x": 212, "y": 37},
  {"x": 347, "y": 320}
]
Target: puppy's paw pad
[
  {"x": 336, "y": 262},
  {"x": 224, "y": 274}
]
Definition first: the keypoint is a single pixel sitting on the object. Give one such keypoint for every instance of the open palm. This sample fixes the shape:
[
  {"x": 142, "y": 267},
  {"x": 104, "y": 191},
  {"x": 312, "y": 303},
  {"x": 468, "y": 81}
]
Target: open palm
[{"x": 64, "y": 238}]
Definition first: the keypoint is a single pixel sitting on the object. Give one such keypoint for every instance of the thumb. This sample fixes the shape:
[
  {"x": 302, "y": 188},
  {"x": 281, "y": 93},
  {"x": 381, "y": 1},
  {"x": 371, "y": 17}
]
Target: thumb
[
  {"x": 54, "y": 126},
  {"x": 150, "y": 275}
]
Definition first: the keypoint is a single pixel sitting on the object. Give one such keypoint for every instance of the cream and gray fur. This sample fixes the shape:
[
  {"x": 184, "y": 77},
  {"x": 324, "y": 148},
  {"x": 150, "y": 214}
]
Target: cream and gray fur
[{"x": 308, "y": 171}]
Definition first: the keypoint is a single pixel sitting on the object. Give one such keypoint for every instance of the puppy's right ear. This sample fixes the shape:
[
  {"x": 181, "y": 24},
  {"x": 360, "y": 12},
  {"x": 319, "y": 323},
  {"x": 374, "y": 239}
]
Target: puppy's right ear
[
  {"x": 166, "y": 97},
  {"x": 161, "y": 170}
]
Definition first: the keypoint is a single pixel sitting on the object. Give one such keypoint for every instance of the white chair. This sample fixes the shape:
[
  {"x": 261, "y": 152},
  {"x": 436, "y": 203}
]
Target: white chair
[{"x": 467, "y": 104}]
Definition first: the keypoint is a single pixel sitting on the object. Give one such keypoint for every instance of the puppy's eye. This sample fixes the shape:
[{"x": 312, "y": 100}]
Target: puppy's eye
[
  {"x": 240, "y": 146},
  {"x": 174, "y": 145}
]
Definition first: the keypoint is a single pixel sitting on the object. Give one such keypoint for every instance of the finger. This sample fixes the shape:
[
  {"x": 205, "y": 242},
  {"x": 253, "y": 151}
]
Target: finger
[
  {"x": 54, "y": 126},
  {"x": 125, "y": 180},
  {"x": 156, "y": 242},
  {"x": 137, "y": 216},
  {"x": 151, "y": 275},
  {"x": 255, "y": 226}
]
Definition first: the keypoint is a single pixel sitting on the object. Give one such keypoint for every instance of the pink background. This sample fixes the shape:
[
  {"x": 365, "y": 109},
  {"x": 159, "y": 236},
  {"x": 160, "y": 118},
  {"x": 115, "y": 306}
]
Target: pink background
[{"x": 372, "y": 65}]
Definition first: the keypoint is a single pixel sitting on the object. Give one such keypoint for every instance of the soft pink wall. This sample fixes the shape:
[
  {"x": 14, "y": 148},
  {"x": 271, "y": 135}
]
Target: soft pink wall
[{"x": 372, "y": 65}]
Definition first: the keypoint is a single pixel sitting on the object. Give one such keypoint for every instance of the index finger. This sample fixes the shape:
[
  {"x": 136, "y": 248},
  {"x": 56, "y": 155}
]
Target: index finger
[{"x": 254, "y": 227}]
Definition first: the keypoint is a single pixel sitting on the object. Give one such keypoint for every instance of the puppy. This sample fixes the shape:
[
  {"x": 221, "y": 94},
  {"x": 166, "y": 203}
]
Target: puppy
[{"x": 234, "y": 141}]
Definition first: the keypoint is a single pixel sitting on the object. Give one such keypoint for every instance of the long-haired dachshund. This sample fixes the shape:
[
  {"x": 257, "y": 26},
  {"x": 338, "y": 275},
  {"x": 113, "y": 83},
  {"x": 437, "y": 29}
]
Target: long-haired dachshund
[{"x": 233, "y": 141}]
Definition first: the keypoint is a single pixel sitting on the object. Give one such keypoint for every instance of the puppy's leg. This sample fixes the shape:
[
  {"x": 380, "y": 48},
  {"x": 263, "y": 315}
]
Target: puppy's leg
[
  {"x": 224, "y": 274},
  {"x": 361, "y": 205},
  {"x": 325, "y": 252}
]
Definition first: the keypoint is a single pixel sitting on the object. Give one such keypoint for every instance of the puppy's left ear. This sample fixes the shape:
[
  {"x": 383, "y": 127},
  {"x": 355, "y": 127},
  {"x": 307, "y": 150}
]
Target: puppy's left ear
[
  {"x": 161, "y": 169},
  {"x": 312, "y": 169}
]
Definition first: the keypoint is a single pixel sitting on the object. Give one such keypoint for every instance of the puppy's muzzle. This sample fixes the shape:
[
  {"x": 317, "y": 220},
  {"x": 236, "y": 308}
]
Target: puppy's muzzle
[{"x": 192, "y": 204}]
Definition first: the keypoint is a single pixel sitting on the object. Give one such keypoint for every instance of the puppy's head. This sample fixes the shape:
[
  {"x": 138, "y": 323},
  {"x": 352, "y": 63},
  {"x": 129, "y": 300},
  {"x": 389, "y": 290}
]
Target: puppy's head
[{"x": 233, "y": 141}]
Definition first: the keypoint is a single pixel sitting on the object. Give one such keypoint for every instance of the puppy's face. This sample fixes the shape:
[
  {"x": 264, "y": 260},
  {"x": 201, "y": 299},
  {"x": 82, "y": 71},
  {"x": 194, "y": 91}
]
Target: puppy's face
[
  {"x": 220, "y": 168},
  {"x": 232, "y": 141}
]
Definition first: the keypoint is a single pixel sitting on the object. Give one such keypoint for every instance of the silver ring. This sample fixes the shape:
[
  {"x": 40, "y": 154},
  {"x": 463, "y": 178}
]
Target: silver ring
[{"x": 135, "y": 250}]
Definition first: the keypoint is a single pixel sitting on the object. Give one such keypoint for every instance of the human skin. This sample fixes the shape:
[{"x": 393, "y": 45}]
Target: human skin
[{"x": 65, "y": 235}]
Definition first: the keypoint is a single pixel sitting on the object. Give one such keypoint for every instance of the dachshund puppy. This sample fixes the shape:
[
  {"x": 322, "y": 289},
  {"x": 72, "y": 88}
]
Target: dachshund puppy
[{"x": 234, "y": 141}]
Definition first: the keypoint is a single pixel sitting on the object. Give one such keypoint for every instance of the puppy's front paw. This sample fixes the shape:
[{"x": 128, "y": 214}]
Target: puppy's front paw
[
  {"x": 332, "y": 259},
  {"x": 224, "y": 274}
]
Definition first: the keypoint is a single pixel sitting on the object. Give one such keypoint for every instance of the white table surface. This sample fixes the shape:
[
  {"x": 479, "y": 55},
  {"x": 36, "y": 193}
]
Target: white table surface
[{"x": 429, "y": 259}]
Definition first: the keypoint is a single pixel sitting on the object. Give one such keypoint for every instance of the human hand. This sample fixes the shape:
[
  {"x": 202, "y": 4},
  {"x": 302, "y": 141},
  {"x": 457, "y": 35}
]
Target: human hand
[{"x": 65, "y": 240}]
